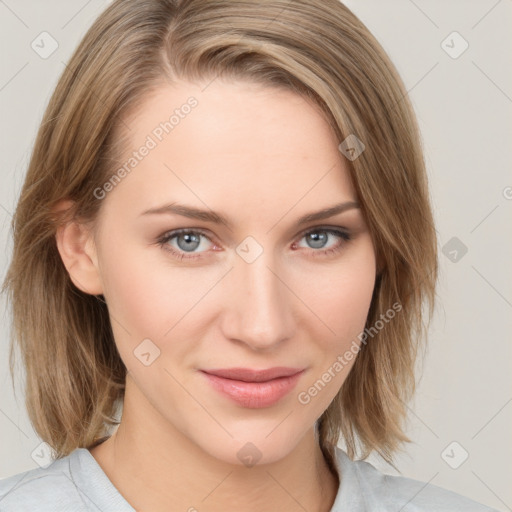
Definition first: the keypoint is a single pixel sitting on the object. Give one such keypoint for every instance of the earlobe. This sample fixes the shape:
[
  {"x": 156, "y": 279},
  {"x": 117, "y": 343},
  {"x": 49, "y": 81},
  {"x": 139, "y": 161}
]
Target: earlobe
[{"x": 78, "y": 253}]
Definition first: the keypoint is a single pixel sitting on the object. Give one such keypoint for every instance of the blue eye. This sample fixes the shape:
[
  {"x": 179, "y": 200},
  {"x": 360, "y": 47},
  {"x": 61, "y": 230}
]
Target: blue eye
[
  {"x": 319, "y": 236},
  {"x": 191, "y": 239}
]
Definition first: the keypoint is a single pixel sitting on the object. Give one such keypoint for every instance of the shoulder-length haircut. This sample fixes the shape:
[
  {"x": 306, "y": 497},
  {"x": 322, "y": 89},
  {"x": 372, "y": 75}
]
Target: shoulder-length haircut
[{"x": 316, "y": 48}]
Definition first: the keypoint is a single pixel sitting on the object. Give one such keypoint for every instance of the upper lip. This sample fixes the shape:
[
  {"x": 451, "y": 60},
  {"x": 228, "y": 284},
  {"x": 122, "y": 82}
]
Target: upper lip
[{"x": 252, "y": 375}]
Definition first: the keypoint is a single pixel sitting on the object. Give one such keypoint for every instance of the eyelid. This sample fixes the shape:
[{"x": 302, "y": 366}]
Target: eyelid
[
  {"x": 323, "y": 227},
  {"x": 175, "y": 232},
  {"x": 170, "y": 234},
  {"x": 205, "y": 232}
]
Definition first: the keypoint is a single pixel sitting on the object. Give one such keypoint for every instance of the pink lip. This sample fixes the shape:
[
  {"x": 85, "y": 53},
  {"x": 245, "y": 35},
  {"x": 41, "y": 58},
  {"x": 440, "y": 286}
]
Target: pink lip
[{"x": 254, "y": 388}]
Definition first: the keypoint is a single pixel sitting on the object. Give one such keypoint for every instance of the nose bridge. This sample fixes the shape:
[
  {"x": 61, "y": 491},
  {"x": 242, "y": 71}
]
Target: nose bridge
[{"x": 260, "y": 314}]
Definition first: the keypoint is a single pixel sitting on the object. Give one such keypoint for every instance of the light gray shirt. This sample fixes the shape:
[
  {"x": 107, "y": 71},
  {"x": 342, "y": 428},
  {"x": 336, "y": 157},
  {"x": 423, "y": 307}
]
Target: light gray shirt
[{"x": 77, "y": 483}]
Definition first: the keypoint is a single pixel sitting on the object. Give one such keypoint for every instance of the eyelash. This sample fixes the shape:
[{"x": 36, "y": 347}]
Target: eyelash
[{"x": 166, "y": 237}]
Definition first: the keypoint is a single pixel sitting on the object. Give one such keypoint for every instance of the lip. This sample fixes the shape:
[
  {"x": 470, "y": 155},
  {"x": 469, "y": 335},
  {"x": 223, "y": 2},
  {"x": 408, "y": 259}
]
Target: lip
[{"x": 254, "y": 388}]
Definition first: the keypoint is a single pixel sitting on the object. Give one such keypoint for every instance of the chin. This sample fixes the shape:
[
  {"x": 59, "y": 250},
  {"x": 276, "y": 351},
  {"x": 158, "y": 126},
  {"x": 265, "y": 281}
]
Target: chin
[{"x": 249, "y": 450}]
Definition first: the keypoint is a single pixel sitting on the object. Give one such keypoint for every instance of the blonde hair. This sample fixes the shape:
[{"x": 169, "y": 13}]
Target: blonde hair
[{"x": 316, "y": 48}]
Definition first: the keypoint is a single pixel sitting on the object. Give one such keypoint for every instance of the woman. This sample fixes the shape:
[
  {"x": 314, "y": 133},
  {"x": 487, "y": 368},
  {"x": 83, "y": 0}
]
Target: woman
[{"x": 276, "y": 139}]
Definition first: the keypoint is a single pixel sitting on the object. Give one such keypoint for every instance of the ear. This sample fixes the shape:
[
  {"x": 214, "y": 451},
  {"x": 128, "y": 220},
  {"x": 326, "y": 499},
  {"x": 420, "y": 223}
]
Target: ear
[{"x": 78, "y": 252}]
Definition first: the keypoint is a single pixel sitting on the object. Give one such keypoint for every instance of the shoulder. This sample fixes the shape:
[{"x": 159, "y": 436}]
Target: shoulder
[
  {"x": 42, "y": 489},
  {"x": 379, "y": 491}
]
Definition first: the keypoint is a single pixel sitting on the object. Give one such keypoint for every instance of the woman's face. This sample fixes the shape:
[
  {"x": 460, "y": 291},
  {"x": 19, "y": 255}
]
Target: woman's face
[{"x": 188, "y": 294}]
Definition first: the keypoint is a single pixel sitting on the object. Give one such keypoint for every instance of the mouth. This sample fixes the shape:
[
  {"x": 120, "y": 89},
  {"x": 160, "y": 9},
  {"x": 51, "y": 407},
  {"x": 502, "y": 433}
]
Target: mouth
[{"x": 254, "y": 388}]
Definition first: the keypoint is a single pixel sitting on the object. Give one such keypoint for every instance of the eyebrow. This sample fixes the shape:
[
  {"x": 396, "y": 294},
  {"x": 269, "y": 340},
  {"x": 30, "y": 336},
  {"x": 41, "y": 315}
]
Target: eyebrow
[{"x": 217, "y": 218}]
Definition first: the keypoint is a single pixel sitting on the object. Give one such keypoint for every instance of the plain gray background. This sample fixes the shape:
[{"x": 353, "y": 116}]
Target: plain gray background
[{"x": 463, "y": 103}]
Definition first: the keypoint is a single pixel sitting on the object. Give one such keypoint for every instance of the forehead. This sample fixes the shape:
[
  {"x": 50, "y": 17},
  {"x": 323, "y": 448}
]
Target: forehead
[
  {"x": 235, "y": 143},
  {"x": 237, "y": 114}
]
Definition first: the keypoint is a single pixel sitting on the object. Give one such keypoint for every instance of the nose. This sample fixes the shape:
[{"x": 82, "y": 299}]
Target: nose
[{"x": 260, "y": 307}]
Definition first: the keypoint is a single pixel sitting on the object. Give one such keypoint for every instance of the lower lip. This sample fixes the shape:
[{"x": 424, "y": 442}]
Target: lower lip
[{"x": 254, "y": 395}]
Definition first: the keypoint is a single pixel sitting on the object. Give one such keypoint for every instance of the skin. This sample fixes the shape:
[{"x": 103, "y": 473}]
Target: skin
[{"x": 263, "y": 157}]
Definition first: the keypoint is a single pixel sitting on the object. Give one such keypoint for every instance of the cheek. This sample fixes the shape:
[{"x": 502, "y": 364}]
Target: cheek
[
  {"x": 147, "y": 297},
  {"x": 342, "y": 305},
  {"x": 341, "y": 297}
]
